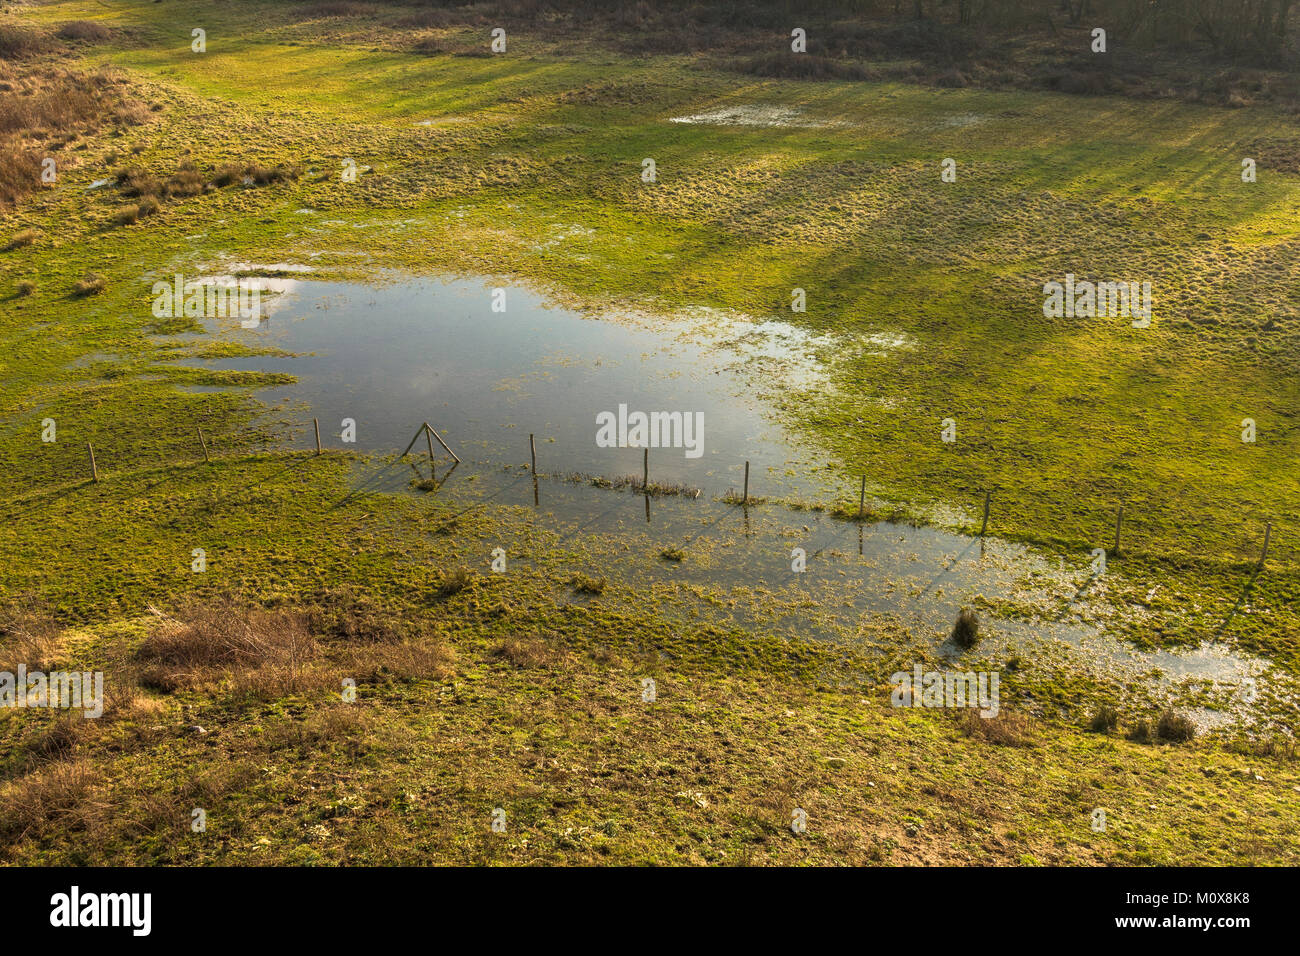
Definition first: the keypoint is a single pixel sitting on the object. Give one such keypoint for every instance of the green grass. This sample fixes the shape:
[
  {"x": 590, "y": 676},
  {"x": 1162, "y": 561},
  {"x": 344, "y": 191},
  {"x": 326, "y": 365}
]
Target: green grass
[{"x": 1062, "y": 418}]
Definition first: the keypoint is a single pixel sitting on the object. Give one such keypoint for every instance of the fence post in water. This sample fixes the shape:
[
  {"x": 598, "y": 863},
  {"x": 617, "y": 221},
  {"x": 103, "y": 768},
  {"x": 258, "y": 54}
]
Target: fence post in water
[
  {"x": 428, "y": 440},
  {"x": 862, "y": 495},
  {"x": 206, "y": 459},
  {"x": 645, "y": 471},
  {"x": 316, "y": 424},
  {"x": 445, "y": 446},
  {"x": 988, "y": 496},
  {"x": 1119, "y": 523},
  {"x": 532, "y": 450},
  {"x": 94, "y": 470},
  {"x": 744, "y": 500},
  {"x": 1268, "y": 533}
]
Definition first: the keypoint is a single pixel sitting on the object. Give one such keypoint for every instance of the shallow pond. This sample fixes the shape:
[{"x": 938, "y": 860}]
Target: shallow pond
[{"x": 393, "y": 355}]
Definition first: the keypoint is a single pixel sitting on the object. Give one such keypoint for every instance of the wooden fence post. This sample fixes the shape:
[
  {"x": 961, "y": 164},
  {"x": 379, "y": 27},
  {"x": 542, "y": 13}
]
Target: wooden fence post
[
  {"x": 316, "y": 424},
  {"x": 988, "y": 496},
  {"x": 745, "y": 497},
  {"x": 532, "y": 450},
  {"x": 94, "y": 469}
]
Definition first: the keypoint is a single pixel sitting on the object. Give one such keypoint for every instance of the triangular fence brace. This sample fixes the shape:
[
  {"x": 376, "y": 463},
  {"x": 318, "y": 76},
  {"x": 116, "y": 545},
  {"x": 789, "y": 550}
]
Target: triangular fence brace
[{"x": 430, "y": 436}]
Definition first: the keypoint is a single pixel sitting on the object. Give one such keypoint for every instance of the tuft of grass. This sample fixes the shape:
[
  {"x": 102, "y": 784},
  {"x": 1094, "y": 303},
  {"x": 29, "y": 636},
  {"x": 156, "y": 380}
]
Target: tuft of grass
[
  {"x": 525, "y": 651},
  {"x": 1007, "y": 729},
  {"x": 1104, "y": 720},
  {"x": 1175, "y": 727},
  {"x": 126, "y": 216},
  {"x": 1140, "y": 732},
  {"x": 90, "y": 284},
  {"x": 84, "y": 31},
  {"x": 185, "y": 182},
  {"x": 454, "y": 582},
  {"x": 587, "y": 585},
  {"x": 673, "y": 554},
  {"x": 19, "y": 41},
  {"x": 61, "y": 739},
  {"x": 808, "y": 66},
  {"x": 334, "y": 8},
  {"x": 24, "y": 288},
  {"x": 22, "y": 239},
  {"x": 966, "y": 631}
]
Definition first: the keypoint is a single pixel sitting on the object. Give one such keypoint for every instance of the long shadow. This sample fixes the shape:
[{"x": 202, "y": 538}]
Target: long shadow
[{"x": 1245, "y": 593}]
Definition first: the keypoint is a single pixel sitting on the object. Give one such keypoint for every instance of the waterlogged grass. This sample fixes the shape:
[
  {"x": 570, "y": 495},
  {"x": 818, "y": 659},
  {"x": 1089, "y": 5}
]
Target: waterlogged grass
[{"x": 529, "y": 165}]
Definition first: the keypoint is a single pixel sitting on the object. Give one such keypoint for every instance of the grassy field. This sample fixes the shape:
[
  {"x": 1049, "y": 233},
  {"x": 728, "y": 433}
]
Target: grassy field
[{"x": 521, "y": 697}]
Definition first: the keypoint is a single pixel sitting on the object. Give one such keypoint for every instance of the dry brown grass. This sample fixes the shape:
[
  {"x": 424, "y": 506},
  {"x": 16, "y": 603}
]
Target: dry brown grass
[
  {"x": 20, "y": 40},
  {"x": 29, "y": 635},
  {"x": 1007, "y": 729},
  {"x": 61, "y": 739},
  {"x": 89, "y": 284},
  {"x": 45, "y": 107},
  {"x": 279, "y": 652},
  {"x": 22, "y": 239},
  {"x": 525, "y": 651},
  {"x": 61, "y": 794},
  {"x": 265, "y": 652},
  {"x": 408, "y": 660},
  {"x": 84, "y": 31}
]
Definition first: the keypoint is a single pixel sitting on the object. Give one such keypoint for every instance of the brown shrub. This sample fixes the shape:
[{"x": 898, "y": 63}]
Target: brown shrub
[{"x": 126, "y": 215}]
